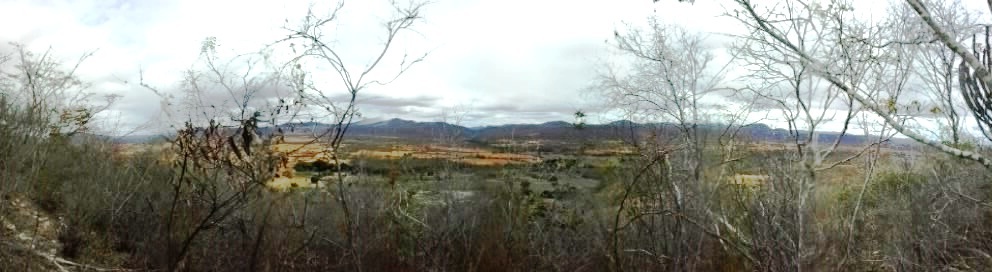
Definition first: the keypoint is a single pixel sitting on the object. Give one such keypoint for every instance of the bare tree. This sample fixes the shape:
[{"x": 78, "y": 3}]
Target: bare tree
[
  {"x": 871, "y": 63},
  {"x": 221, "y": 158},
  {"x": 43, "y": 102},
  {"x": 673, "y": 71},
  {"x": 938, "y": 68},
  {"x": 673, "y": 78},
  {"x": 767, "y": 23},
  {"x": 46, "y": 88},
  {"x": 974, "y": 71},
  {"x": 312, "y": 44}
]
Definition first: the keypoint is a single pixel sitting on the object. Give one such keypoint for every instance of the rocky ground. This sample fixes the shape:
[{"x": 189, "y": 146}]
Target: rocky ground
[{"x": 29, "y": 239}]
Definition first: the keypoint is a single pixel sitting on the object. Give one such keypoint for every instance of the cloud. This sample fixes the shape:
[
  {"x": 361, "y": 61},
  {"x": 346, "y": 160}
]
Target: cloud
[
  {"x": 509, "y": 61},
  {"x": 384, "y": 101},
  {"x": 421, "y": 107}
]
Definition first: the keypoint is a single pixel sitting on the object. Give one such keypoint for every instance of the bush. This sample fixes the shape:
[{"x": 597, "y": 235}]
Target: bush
[{"x": 320, "y": 166}]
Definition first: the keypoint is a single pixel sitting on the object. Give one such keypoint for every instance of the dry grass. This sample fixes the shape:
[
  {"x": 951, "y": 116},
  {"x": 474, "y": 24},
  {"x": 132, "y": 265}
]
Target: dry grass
[
  {"x": 300, "y": 149},
  {"x": 285, "y": 183},
  {"x": 131, "y": 149},
  {"x": 614, "y": 151},
  {"x": 472, "y": 156}
]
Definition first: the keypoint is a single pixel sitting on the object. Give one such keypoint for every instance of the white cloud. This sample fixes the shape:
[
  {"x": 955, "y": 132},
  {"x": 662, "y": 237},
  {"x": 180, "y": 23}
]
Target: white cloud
[{"x": 510, "y": 61}]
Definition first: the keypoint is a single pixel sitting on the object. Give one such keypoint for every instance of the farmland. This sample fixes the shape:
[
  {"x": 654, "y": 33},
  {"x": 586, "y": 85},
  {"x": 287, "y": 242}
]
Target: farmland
[{"x": 374, "y": 156}]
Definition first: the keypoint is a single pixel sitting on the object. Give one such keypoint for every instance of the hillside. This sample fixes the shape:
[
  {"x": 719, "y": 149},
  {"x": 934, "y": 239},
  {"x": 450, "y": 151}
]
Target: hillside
[{"x": 558, "y": 131}]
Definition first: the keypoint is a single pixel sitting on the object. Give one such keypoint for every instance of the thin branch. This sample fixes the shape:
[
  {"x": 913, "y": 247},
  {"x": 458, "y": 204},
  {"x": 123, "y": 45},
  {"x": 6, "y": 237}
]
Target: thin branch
[{"x": 889, "y": 119}]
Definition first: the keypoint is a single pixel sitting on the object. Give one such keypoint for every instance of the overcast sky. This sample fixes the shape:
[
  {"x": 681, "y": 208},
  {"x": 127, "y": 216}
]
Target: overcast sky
[
  {"x": 490, "y": 62},
  {"x": 496, "y": 61}
]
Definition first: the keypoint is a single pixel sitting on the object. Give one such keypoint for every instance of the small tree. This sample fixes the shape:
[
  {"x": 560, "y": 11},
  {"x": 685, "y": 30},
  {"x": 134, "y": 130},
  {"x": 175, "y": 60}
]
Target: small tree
[
  {"x": 221, "y": 156},
  {"x": 671, "y": 77},
  {"x": 765, "y": 24},
  {"x": 312, "y": 46},
  {"x": 48, "y": 90},
  {"x": 937, "y": 68}
]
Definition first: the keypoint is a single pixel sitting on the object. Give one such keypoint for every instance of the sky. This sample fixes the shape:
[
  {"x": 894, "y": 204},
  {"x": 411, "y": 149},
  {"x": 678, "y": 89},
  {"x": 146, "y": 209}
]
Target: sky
[{"x": 489, "y": 62}]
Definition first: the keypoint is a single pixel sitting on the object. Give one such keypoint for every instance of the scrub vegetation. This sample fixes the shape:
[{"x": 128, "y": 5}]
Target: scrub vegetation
[{"x": 254, "y": 184}]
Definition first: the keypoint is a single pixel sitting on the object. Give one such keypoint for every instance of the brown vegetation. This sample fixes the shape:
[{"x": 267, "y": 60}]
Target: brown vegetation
[{"x": 670, "y": 200}]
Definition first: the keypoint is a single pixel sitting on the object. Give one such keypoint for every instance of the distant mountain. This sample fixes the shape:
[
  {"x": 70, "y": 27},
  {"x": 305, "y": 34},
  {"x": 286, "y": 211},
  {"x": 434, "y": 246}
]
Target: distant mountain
[
  {"x": 557, "y": 124},
  {"x": 132, "y": 139},
  {"x": 555, "y": 130},
  {"x": 623, "y": 123},
  {"x": 393, "y": 123},
  {"x": 409, "y": 129}
]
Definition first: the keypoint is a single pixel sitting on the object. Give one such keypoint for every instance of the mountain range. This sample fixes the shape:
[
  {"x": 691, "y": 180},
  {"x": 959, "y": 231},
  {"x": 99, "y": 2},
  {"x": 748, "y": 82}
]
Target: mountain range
[{"x": 556, "y": 130}]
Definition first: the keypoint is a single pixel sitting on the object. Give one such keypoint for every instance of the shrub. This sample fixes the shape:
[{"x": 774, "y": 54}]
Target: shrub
[{"x": 321, "y": 166}]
